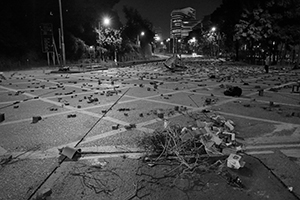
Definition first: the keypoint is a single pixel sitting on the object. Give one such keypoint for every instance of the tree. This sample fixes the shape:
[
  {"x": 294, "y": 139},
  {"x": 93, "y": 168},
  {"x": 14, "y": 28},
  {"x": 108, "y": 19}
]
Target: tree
[
  {"x": 255, "y": 30},
  {"x": 21, "y": 20},
  {"x": 272, "y": 24},
  {"x": 109, "y": 40},
  {"x": 135, "y": 25},
  {"x": 225, "y": 18}
]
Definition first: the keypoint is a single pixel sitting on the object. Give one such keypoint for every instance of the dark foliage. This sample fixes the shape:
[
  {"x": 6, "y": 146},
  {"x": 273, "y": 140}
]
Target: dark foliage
[{"x": 21, "y": 20}]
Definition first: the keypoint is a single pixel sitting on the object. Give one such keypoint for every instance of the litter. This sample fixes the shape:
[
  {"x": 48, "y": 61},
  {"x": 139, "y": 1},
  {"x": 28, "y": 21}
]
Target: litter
[
  {"x": 2, "y": 117},
  {"x": 35, "y": 119},
  {"x": 235, "y": 161},
  {"x": 69, "y": 152},
  {"x": 45, "y": 194},
  {"x": 233, "y": 91}
]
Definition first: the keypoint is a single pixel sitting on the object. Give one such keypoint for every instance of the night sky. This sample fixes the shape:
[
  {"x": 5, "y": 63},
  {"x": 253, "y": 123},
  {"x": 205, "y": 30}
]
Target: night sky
[{"x": 158, "y": 11}]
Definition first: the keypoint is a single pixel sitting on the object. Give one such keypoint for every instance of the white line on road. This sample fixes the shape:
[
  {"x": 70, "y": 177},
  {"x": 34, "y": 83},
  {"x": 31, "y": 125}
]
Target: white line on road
[
  {"x": 259, "y": 152},
  {"x": 2, "y": 151},
  {"x": 276, "y": 146}
]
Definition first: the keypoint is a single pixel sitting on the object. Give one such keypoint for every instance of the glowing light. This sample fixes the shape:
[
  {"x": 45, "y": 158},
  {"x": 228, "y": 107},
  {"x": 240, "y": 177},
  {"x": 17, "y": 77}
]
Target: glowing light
[
  {"x": 106, "y": 21},
  {"x": 142, "y": 33},
  {"x": 193, "y": 39},
  {"x": 213, "y": 29}
]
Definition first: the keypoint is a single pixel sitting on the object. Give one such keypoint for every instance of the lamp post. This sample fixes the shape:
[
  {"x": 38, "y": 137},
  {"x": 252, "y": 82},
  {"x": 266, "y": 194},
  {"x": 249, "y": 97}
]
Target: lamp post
[
  {"x": 193, "y": 43},
  {"x": 138, "y": 38},
  {"x": 62, "y": 35},
  {"x": 169, "y": 44},
  {"x": 216, "y": 37},
  {"x": 105, "y": 23}
]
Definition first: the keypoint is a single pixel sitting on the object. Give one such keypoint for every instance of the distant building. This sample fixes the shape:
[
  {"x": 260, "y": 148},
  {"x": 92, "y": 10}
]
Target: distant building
[
  {"x": 182, "y": 22},
  {"x": 158, "y": 33}
]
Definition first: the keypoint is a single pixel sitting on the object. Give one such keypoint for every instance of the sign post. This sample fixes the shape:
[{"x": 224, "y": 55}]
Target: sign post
[{"x": 47, "y": 40}]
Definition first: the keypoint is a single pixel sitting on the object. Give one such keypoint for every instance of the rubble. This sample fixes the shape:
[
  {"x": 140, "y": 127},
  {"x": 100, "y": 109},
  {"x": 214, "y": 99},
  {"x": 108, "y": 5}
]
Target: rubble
[
  {"x": 2, "y": 117},
  {"x": 35, "y": 119},
  {"x": 235, "y": 161},
  {"x": 233, "y": 91},
  {"x": 69, "y": 152},
  {"x": 44, "y": 195},
  {"x": 214, "y": 137},
  {"x": 173, "y": 64},
  {"x": 130, "y": 126}
]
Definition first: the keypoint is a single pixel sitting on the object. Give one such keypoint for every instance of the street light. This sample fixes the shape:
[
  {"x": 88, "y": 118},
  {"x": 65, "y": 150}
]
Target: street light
[
  {"x": 138, "y": 38},
  {"x": 106, "y": 21},
  {"x": 62, "y": 35}
]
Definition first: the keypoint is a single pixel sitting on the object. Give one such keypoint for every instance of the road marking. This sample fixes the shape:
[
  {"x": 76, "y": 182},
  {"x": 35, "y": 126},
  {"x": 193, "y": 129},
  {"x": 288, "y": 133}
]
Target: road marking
[
  {"x": 276, "y": 146},
  {"x": 259, "y": 152},
  {"x": 127, "y": 155},
  {"x": 2, "y": 151},
  {"x": 257, "y": 119},
  {"x": 295, "y": 153},
  {"x": 103, "y": 151}
]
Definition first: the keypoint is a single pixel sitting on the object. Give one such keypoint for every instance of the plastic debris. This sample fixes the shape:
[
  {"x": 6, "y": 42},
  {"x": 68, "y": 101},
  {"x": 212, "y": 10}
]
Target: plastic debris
[
  {"x": 69, "y": 152},
  {"x": 98, "y": 164},
  {"x": 229, "y": 124},
  {"x": 43, "y": 195},
  {"x": 235, "y": 161}
]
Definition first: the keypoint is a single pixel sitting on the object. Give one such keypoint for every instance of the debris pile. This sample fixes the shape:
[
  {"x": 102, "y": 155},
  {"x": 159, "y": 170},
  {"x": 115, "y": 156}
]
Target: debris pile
[
  {"x": 216, "y": 136},
  {"x": 211, "y": 137}
]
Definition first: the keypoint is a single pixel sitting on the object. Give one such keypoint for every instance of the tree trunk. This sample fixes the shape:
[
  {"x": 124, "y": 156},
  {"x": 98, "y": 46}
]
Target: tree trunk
[
  {"x": 298, "y": 59},
  {"x": 236, "y": 51},
  {"x": 281, "y": 54}
]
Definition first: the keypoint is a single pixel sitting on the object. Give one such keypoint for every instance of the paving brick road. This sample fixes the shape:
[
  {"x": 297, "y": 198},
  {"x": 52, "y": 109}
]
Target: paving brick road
[{"x": 70, "y": 104}]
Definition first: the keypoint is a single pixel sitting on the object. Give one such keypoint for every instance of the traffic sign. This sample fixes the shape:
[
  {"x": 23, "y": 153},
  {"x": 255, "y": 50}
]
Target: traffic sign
[
  {"x": 47, "y": 43},
  {"x": 47, "y": 37}
]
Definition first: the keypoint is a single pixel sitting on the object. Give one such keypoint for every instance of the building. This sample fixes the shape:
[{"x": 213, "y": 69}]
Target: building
[{"x": 182, "y": 22}]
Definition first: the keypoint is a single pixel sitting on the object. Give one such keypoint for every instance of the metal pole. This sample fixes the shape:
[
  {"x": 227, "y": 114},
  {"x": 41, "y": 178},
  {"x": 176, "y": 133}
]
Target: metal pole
[
  {"x": 48, "y": 59},
  {"x": 62, "y": 35}
]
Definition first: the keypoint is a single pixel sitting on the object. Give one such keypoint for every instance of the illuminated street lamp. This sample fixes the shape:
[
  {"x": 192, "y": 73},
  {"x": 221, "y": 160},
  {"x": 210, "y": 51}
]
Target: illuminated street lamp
[
  {"x": 106, "y": 21},
  {"x": 216, "y": 37},
  {"x": 169, "y": 44},
  {"x": 138, "y": 38}
]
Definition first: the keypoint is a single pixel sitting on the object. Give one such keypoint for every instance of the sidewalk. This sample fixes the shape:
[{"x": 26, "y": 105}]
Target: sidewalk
[{"x": 126, "y": 178}]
